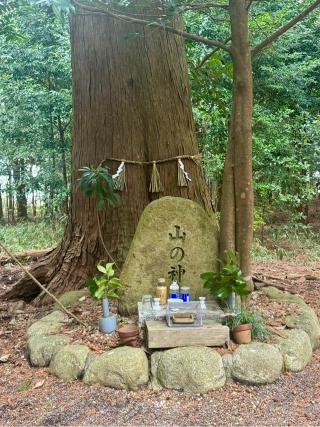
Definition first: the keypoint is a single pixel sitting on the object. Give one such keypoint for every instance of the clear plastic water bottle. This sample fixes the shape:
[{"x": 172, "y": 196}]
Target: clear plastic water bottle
[
  {"x": 174, "y": 290},
  {"x": 185, "y": 294}
]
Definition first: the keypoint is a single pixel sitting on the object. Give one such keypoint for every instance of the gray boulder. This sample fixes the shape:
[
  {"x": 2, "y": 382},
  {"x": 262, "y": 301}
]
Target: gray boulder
[
  {"x": 306, "y": 319},
  {"x": 41, "y": 348},
  {"x": 296, "y": 349},
  {"x": 257, "y": 363},
  {"x": 47, "y": 325},
  {"x": 191, "y": 369},
  {"x": 69, "y": 362},
  {"x": 121, "y": 368}
]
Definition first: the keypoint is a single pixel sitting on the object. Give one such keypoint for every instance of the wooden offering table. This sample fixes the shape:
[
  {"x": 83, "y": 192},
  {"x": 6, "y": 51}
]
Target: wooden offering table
[{"x": 211, "y": 334}]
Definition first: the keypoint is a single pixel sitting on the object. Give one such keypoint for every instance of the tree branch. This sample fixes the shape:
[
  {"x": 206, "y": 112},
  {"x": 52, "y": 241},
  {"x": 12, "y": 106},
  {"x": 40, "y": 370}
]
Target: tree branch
[
  {"x": 285, "y": 28},
  {"x": 207, "y": 6},
  {"x": 209, "y": 55},
  {"x": 100, "y": 7}
]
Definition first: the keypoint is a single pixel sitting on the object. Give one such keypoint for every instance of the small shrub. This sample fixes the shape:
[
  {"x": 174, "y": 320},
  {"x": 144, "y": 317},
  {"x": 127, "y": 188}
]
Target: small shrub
[{"x": 228, "y": 280}]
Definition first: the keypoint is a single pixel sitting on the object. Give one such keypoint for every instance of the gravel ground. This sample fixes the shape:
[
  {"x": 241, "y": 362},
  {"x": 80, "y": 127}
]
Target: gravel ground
[
  {"x": 30, "y": 396},
  {"x": 292, "y": 400}
]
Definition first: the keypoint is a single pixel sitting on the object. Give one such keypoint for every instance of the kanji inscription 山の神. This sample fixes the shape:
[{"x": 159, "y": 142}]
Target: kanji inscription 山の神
[{"x": 177, "y": 255}]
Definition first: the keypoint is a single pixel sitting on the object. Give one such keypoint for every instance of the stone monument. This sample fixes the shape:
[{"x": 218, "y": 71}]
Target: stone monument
[{"x": 175, "y": 239}]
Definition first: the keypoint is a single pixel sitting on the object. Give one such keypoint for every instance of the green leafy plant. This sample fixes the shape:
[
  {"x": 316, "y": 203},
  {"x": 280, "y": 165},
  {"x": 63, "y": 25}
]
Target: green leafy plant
[
  {"x": 259, "y": 330},
  {"x": 281, "y": 253},
  {"x": 105, "y": 285},
  {"x": 98, "y": 183},
  {"x": 228, "y": 280}
]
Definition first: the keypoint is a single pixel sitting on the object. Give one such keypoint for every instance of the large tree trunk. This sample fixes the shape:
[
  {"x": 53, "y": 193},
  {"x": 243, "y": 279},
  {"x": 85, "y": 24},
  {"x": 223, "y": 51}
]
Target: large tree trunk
[
  {"x": 131, "y": 100},
  {"x": 61, "y": 129}
]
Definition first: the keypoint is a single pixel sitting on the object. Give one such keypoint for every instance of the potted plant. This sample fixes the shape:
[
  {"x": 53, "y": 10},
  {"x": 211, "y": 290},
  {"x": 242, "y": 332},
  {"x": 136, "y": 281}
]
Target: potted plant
[
  {"x": 228, "y": 282},
  {"x": 247, "y": 325},
  {"x": 103, "y": 287}
]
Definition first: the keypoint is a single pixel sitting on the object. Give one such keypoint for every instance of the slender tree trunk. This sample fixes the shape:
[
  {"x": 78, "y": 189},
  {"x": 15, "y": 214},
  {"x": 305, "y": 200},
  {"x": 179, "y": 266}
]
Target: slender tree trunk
[
  {"x": 19, "y": 180},
  {"x": 130, "y": 100},
  {"x": 34, "y": 205},
  {"x": 11, "y": 216},
  {"x": 242, "y": 132},
  {"x": 51, "y": 188},
  {"x": 228, "y": 210},
  {"x": 1, "y": 207}
]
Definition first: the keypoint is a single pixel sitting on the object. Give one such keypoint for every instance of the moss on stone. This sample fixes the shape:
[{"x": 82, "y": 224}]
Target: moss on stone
[
  {"x": 121, "y": 368},
  {"x": 295, "y": 348},
  {"x": 41, "y": 348},
  {"x": 71, "y": 297},
  {"x": 69, "y": 362},
  {"x": 47, "y": 325},
  {"x": 306, "y": 319}
]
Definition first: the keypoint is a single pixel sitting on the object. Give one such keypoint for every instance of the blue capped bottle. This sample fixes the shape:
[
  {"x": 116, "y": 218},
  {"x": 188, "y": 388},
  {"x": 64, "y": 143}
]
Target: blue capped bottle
[{"x": 174, "y": 290}]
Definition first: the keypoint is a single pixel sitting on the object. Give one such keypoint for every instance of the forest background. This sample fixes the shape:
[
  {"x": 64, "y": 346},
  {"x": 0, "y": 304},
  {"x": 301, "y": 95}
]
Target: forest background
[{"x": 36, "y": 121}]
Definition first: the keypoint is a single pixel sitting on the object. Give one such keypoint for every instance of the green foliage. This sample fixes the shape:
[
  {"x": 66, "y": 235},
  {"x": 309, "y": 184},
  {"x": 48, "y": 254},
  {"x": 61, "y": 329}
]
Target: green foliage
[
  {"x": 105, "y": 285},
  {"x": 227, "y": 281},
  {"x": 35, "y": 105},
  {"x": 98, "y": 183},
  {"x": 286, "y": 140},
  {"x": 259, "y": 331},
  {"x": 27, "y": 235},
  {"x": 281, "y": 253}
]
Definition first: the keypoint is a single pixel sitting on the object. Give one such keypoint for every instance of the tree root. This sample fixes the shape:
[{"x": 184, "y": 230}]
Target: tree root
[{"x": 42, "y": 287}]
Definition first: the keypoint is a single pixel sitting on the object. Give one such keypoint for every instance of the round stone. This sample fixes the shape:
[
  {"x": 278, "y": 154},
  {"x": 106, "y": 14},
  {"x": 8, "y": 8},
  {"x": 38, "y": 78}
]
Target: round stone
[{"x": 257, "y": 363}]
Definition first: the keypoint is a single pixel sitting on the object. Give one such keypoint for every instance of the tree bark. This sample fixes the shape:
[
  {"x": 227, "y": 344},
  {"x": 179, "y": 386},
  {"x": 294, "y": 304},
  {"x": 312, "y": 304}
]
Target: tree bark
[
  {"x": 228, "y": 208},
  {"x": 130, "y": 100},
  {"x": 61, "y": 129},
  {"x": 241, "y": 133}
]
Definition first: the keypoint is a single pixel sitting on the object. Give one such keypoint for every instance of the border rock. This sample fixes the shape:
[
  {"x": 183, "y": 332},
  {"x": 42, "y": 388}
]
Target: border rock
[
  {"x": 47, "y": 325},
  {"x": 42, "y": 348},
  {"x": 71, "y": 297},
  {"x": 296, "y": 349},
  {"x": 69, "y": 362},
  {"x": 257, "y": 363},
  {"x": 306, "y": 319},
  {"x": 120, "y": 368},
  {"x": 190, "y": 369}
]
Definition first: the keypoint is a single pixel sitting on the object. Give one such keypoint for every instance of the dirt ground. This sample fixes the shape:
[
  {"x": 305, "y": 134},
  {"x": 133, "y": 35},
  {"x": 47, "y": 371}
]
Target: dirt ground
[{"x": 31, "y": 396}]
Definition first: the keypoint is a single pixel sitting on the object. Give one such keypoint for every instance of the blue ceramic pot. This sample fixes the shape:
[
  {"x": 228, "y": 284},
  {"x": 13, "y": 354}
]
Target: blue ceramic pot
[
  {"x": 108, "y": 321},
  {"x": 108, "y": 324}
]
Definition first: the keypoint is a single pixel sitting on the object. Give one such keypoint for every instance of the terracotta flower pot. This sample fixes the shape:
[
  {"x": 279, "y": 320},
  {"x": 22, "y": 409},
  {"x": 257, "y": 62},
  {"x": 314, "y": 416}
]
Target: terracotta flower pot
[
  {"x": 129, "y": 335},
  {"x": 242, "y": 333}
]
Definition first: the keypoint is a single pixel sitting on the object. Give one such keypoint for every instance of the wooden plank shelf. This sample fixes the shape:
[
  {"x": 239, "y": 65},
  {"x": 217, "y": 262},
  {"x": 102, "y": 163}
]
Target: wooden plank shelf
[{"x": 211, "y": 334}]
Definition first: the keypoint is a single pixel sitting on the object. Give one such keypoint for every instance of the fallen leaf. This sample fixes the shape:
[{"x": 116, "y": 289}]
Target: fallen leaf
[{"x": 39, "y": 384}]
